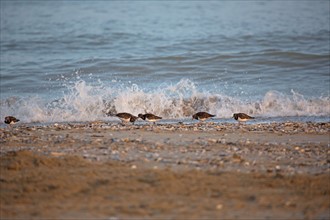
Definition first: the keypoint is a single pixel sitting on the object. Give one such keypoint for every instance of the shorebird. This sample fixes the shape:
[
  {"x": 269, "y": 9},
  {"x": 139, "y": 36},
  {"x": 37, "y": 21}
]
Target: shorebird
[
  {"x": 126, "y": 117},
  {"x": 242, "y": 117},
  {"x": 202, "y": 116},
  {"x": 11, "y": 120},
  {"x": 150, "y": 117}
]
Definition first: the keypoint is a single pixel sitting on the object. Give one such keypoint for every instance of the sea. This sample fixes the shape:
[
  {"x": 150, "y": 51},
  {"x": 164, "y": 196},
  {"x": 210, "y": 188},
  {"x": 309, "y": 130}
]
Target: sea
[{"x": 76, "y": 61}]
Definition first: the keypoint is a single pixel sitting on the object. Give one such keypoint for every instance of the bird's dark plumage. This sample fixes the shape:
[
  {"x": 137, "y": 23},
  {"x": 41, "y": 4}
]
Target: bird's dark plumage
[
  {"x": 202, "y": 116},
  {"x": 126, "y": 117},
  {"x": 11, "y": 120},
  {"x": 242, "y": 117},
  {"x": 149, "y": 117}
]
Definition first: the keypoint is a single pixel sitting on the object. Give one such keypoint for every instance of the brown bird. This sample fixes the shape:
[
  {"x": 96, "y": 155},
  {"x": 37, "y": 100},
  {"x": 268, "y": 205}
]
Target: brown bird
[
  {"x": 126, "y": 117},
  {"x": 202, "y": 116},
  {"x": 242, "y": 117},
  {"x": 11, "y": 120},
  {"x": 150, "y": 117}
]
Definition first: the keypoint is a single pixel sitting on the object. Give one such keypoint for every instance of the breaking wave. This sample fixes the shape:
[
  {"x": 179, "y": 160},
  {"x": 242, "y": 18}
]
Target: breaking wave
[{"x": 85, "y": 102}]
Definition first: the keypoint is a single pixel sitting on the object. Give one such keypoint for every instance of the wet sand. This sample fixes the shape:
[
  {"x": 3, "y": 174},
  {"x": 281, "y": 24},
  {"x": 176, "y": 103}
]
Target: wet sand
[{"x": 176, "y": 171}]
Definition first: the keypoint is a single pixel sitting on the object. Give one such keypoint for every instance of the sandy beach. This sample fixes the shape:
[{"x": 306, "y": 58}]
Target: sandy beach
[{"x": 174, "y": 171}]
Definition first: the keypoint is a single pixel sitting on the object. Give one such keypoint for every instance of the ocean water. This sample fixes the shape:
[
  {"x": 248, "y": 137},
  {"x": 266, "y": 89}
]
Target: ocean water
[{"x": 77, "y": 60}]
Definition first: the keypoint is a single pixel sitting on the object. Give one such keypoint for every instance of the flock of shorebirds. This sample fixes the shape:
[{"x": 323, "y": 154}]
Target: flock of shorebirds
[
  {"x": 201, "y": 116},
  {"x": 127, "y": 117}
]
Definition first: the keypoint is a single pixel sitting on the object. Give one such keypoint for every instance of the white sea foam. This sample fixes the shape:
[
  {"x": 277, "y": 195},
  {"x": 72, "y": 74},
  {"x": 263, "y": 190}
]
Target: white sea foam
[{"x": 84, "y": 102}]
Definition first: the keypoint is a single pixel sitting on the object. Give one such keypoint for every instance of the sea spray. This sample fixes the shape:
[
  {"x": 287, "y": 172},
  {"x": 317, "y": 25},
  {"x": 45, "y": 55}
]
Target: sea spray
[{"x": 88, "y": 102}]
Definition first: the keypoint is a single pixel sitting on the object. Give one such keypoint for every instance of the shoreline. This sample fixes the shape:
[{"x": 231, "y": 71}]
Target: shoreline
[{"x": 166, "y": 171}]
